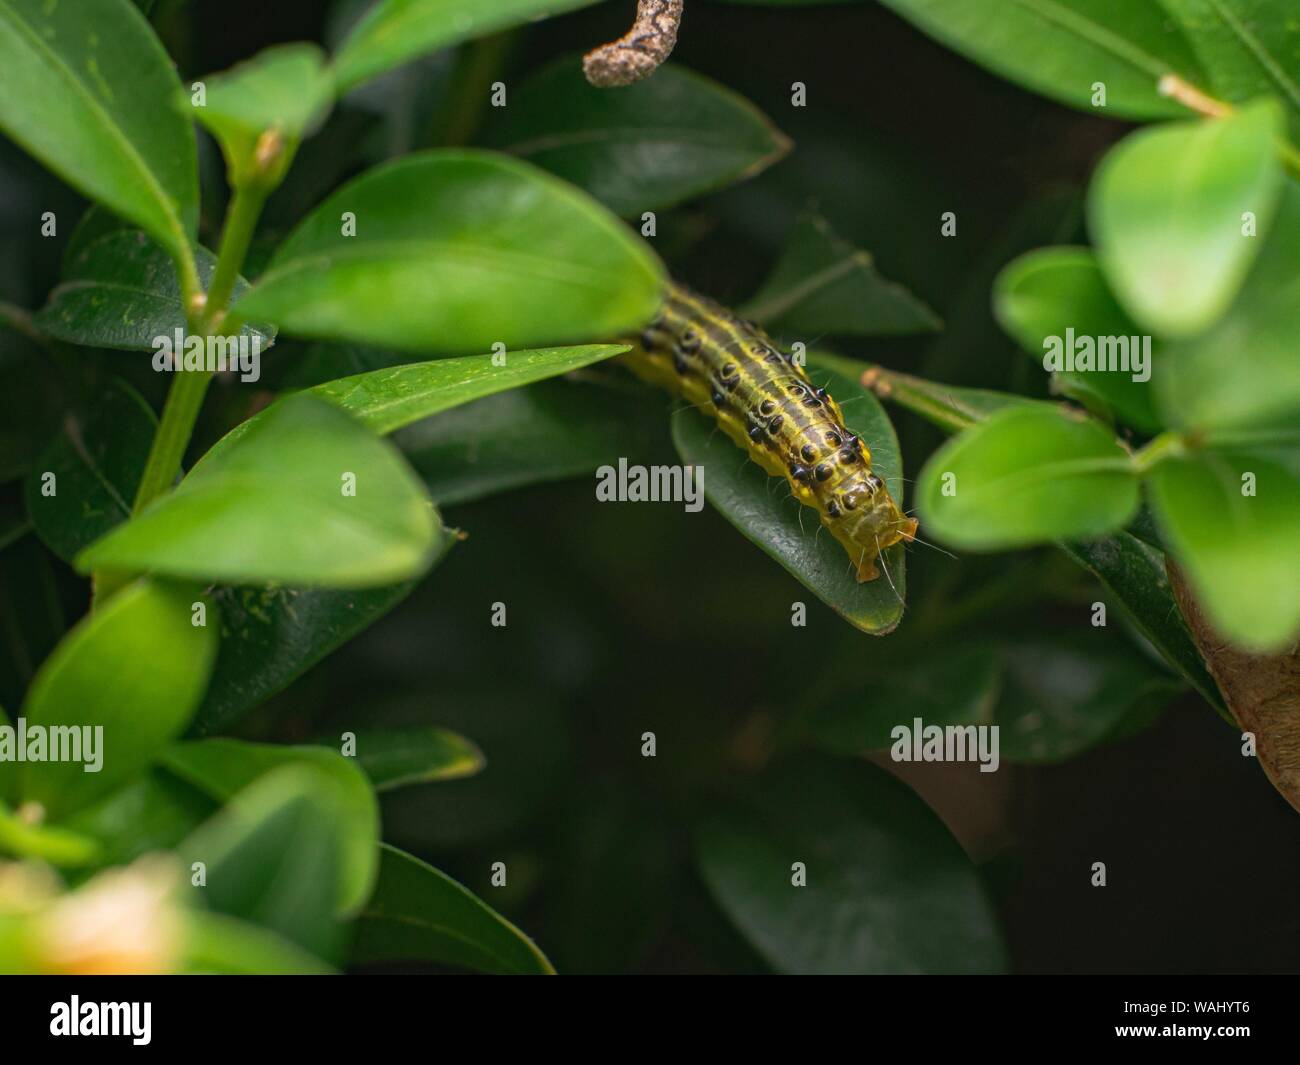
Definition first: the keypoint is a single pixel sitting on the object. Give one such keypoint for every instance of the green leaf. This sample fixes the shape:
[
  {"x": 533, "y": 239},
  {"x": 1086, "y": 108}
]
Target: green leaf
[
  {"x": 221, "y": 768},
  {"x": 396, "y": 758},
  {"x": 544, "y": 432},
  {"x": 273, "y": 856},
  {"x": 1052, "y": 296},
  {"x": 646, "y": 147},
  {"x": 1134, "y": 572},
  {"x": 456, "y": 251},
  {"x": 119, "y": 290},
  {"x": 218, "y": 944},
  {"x": 1026, "y": 475},
  {"x": 1065, "y": 694},
  {"x": 79, "y": 89},
  {"x": 1247, "y": 47},
  {"x": 286, "y": 89},
  {"x": 744, "y": 494},
  {"x": 271, "y": 507},
  {"x": 1244, "y": 372},
  {"x": 822, "y": 284},
  {"x": 270, "y": 636},
  {"x": 1063, "y": 48},
  {"x": 960, "y": 687},
  {"x": 1167, "y": 212},
  {"x": 394, "y": 32},
  {"x": 1239, "y": 550},
  {"x": 95, "y": 679},
  {"x": 420, "y": 914},
  {"x": 949, "y": 407},
  {"x": 385, "y": 400},
  {"x": 888, "y": 888},
  {"x": 97, "y": 460},
  {"x": 153, "y": 811}
]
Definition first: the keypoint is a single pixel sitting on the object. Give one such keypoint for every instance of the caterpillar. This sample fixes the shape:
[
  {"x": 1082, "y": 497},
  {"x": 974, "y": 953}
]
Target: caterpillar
[{"x": 766, "y": 403}]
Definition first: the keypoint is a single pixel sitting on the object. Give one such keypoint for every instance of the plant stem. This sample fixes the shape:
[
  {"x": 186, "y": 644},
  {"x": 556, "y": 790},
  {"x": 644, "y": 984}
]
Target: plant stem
[
  {"x": 1164, "y": 446},
  {"x": 241, "y": 221},
  {"x": 1194, "y": 99}
]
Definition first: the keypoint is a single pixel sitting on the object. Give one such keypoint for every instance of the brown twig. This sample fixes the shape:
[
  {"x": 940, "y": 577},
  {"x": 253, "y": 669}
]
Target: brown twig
[{"x": 640, "y": 51}]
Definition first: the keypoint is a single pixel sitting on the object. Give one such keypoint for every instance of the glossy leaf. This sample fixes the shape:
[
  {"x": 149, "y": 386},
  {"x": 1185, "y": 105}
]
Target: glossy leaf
[
  {"x": 273, "y": 856},
  {"x": 544, "y": 432},
  {"x": 888, "y": 888},
  {"x": 79, "y": 87},
  {"x": 1247, "y": 47},
  {"x": 822, "y": 284},
  {"x": 97, "y": 460},
  {"x": 271, "y": 635},
  {"x": 120, "y": 290},
  {"x": 385, "y": 400},
  {"x": 221, "y": 768},
  {"x": 1052, "y": 299},
  {"x": 1024, "y": 476},
  {"x": 272, "y": 507},
  {"x": 396, "y": 758},
  {"x": 420, "y": 914},
  {"x": 1063, "y": 48},
  {"x": 647, "y": 146},
  {"x": 773, "y": 521},
  {"x": 1232, "y": 520},
  {"x": 1168, "y": 210},
  {"x": 453, "y": 252},
  {"x": 94, "y": 678},
  {"x": 1134, "y": 572},
  {"x": 286, "y": 89},
  {"x": 394, "y": 32}
]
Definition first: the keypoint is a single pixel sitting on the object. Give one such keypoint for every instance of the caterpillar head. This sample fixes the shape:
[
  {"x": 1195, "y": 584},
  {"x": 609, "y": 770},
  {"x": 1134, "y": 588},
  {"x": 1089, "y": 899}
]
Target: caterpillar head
[{"x": 869, "y": 522}]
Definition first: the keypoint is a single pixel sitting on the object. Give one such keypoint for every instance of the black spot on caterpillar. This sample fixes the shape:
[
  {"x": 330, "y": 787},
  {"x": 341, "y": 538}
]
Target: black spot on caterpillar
[{"x": 767, "y": 404}]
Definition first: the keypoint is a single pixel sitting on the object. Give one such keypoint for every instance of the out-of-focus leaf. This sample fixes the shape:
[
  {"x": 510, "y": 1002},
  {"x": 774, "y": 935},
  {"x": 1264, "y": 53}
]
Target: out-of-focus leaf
[
  {"x": 822, "y": 284},
  {"x": 1244, "y": 371},
  {"x": 1168, "y": 212},
  {"x": 1232, "y": 520},
  {"x": 647, "y": 146},
  {"x": 221, "y": 768},
  {"x": 396, "y": 758},
  {"x": 743, "y": 493},
  {"x": 420, "y": 914},
  {"x": 55, "y": 844},
  {"x": 94, "y": 680},
  {"x": 215, "y": 943},
  {"x": 394, "y": 32},
  {"x": 1027, "y": 475},
  {"x": 153, "y": 811},
  {"x": 273, "y": 856},
  {"x": 1050, "y": 298},
  {"x": 443, "y": 241},
  {"x": 888, "y": 888},
  {"x": 306, "y": 496},
  {"x": 97, "y": 461},
  {"x": 960, "y": 688}
]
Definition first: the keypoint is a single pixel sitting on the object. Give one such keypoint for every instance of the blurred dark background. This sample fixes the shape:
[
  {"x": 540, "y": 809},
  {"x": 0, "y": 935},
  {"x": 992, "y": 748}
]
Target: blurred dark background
[{"x": 625, "y": 619}]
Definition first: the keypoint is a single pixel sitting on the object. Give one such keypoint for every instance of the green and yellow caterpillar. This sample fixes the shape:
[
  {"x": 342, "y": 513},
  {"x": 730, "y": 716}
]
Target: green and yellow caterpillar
[{"x": 765, "y": 402}]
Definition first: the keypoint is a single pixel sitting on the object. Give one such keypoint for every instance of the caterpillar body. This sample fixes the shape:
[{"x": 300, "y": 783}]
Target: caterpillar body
[{"x": 765, "y": 402}]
